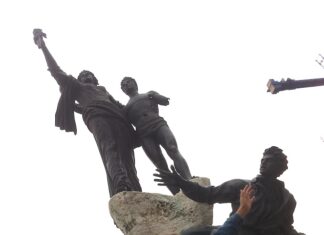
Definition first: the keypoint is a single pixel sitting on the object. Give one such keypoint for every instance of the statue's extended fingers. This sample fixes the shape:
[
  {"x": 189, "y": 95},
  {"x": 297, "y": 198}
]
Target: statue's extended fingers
[
  {"x": 159, "y": 180},
  {"x": 163, "y": 178},
  {"x": 161, "y": 184},
  {"x": 163, "y": 171},
  {"x": 157, "y": 175}
]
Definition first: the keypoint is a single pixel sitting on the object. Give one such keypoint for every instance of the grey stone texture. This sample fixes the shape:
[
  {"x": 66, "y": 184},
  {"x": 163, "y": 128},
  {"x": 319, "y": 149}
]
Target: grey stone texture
[{"x": 138, "y": 213}]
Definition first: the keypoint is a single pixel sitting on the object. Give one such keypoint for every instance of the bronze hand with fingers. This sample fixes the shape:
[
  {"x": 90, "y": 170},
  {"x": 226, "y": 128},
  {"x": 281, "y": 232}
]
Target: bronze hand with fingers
[{"x": 167, "y": 178}]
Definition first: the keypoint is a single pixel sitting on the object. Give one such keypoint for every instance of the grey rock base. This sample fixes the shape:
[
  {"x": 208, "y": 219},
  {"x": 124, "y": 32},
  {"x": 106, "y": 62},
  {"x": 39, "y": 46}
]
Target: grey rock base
[{"x": 137, "y": 213}]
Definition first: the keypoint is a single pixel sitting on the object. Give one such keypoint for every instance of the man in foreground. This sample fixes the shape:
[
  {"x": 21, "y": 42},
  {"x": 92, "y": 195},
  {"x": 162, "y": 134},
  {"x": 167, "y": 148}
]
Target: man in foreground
[{"x": 273, "y": 206}]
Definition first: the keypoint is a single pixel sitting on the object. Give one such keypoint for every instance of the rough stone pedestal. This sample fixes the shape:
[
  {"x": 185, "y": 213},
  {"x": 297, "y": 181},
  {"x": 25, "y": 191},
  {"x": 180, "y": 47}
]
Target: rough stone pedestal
[{"x": 137, "y": 213}]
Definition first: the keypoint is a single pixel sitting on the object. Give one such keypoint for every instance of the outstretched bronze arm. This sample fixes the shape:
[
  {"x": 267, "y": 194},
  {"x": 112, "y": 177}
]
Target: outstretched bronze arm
[
  {"x": 192, "y": 190},
  {"x": 159, "y": 99},
  {"x": 53, "y": 67},
  {"x": 274, "y": 86}
]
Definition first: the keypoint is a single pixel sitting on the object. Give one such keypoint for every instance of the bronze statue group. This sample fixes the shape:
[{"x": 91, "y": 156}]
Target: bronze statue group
[{"x": 261, "y": 206}]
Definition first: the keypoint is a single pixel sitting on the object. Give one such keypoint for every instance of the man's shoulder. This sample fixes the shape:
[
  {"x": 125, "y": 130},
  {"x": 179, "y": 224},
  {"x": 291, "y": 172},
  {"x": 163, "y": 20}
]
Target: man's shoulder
[{"x": 66, "y": 80}]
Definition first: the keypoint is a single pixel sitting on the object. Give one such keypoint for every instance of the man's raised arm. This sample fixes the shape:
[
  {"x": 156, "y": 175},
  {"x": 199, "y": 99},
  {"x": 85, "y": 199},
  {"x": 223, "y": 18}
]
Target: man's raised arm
[{"x": 55, "y": 70}]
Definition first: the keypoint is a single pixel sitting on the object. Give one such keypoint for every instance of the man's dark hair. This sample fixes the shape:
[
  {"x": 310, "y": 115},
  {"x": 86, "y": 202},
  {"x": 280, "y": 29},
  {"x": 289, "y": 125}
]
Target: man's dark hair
[
  {"x": 129, "y": 78},
  {"x": 277, "y": 153},
  {"x": 85, "y": 73}
]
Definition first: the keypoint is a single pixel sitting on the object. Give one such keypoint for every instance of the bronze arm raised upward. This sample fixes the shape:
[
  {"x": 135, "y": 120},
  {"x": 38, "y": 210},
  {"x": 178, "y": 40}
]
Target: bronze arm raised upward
[
  {"x": 53, "y": 67},
  {"x": 290, "y": 84}
]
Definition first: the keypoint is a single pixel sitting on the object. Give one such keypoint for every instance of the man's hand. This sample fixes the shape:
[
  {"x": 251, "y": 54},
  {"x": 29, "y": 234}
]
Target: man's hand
[
  {"x": 246, "y": 201},
  {"x": 167, "y": 178},
  {"x": 38, "y": 37},
  {"x": 160, "y": 99}
]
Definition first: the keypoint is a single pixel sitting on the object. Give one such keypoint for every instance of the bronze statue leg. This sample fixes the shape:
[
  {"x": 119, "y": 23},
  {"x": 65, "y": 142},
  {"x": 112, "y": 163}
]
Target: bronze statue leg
[
  {"x": 154, "y": 153},
  {"x": 166, "y": 138},
  {"x": 104, "y": 135}
]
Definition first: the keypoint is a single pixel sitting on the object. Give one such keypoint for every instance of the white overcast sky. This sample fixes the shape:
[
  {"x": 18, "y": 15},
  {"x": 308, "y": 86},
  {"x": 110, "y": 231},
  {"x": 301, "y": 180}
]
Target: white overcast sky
[{"x": 212, "y": 58}]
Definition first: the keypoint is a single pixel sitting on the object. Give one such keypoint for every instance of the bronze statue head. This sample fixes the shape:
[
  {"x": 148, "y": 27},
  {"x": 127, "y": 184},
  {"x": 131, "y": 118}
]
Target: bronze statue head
[
  {"x": 273, "y": 163},
  {"x": 87, "y": 77},
  {"x": 128, "y": 85}
]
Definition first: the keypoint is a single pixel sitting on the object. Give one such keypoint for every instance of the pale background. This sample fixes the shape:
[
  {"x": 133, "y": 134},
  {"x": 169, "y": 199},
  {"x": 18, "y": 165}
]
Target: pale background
[{"x": 213, "y": 59}]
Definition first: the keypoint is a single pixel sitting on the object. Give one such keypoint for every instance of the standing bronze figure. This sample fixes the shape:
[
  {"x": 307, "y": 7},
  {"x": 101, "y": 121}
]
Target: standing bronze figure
[
  {"x": 143, "y": 112},
  {"x": 103, "y": 116}
]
